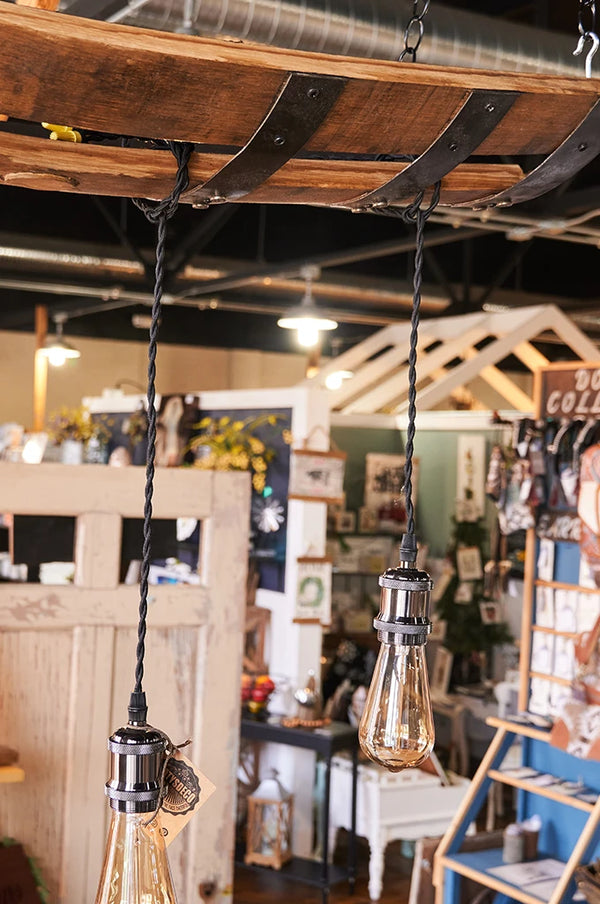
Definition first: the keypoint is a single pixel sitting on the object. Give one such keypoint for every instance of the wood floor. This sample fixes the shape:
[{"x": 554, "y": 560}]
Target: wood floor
[{"x": 252, "y": 887}]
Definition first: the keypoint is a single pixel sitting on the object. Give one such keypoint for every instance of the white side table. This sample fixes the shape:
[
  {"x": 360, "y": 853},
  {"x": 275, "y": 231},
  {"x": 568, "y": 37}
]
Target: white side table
[{"x": 405, "y": 805}]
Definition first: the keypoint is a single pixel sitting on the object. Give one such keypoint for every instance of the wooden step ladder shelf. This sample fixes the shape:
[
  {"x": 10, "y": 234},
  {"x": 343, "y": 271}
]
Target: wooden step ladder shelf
[
  {"x": 450, "y": 863},
  {"x": 570, "y": 825},
  {"x": 278, "y": 126}
]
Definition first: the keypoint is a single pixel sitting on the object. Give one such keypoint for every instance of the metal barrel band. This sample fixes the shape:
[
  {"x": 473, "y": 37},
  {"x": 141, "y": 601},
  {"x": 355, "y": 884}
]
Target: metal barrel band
[
  {"x": 477, "y": 118},
  {"x": 575, "y": 152},
  {"x": 303, "y": 104}
]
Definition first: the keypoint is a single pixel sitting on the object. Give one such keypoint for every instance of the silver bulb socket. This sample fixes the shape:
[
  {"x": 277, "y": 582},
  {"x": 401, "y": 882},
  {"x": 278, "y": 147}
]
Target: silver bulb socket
[
  {"x": 405, "y": 601},
  {"x": 137, "y": 756}
]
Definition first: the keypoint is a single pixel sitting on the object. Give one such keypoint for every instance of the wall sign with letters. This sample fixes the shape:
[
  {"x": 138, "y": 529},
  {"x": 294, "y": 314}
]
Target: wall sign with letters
[{"x": 570, "y": 390}]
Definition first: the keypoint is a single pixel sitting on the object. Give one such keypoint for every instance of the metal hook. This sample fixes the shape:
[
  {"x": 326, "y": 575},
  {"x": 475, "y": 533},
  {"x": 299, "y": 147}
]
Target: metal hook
[{"x": 592, "y": 51}]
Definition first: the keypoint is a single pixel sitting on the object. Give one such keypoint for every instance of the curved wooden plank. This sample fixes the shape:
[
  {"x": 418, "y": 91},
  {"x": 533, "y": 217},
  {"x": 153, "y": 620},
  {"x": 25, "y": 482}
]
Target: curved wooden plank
[
  {"x": 138, "y": 82},
  {"x": 127, "y": 172}
]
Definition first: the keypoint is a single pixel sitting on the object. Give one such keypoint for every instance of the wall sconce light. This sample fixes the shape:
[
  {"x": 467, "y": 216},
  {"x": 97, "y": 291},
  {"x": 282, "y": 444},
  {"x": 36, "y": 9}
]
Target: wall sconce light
[
  {"x": 56, "y": 349},
  {"x": 306, "y": 317}
]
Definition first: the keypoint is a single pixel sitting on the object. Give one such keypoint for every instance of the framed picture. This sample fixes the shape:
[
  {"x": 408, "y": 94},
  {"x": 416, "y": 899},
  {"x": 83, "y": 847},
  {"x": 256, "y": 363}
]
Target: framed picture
[
  {"x": 490, "y": 613},
  {"x": 438, "y": 630},
  {"x": 367, "y": 520},
  {"x": 468, "y": 563},
  {"x": 464, "y": 593},
  {"x": 317, "y": 476},
  {"x": 442, "y": 667},
  {"x": 470, "y": 477},
  {"x": 313, "y": 590},
  {"x": 384, "y": 479},
  {"x": 345, "y": 522}
]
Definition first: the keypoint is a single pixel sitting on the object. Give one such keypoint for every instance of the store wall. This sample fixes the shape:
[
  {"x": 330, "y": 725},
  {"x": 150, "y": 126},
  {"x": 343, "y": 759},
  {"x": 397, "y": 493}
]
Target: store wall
[
  {"x": 104, "y": 362},
  {"x": 436, "y": 482}
]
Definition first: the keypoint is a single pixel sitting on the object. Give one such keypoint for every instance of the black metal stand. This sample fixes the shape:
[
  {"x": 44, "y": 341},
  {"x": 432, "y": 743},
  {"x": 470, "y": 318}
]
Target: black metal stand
[{"x": 324, "y": 741}]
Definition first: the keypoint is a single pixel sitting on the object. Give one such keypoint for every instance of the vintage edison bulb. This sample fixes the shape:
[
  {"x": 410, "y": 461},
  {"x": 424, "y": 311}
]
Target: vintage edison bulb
[
  {"x": 396, "y": 728},
  {"x": 136, "y": 868}
]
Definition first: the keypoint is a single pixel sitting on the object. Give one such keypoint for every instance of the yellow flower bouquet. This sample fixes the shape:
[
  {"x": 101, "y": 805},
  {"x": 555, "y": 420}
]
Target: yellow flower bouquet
[{"x": 232, "y": 445}]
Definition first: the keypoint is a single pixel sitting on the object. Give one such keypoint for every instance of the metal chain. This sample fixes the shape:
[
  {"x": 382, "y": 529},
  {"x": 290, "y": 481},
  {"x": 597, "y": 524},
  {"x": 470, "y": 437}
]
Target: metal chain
[
  {"x": 586, "y": 26},
  {"x": 413, "y": 33},
  {"x": 159, "y": 214}
]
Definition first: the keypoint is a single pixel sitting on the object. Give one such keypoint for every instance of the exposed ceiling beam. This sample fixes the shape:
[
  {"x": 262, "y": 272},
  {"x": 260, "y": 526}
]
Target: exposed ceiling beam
[{"x": 295, "y": 266}]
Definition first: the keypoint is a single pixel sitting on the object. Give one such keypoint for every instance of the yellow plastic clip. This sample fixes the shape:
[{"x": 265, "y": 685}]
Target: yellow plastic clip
[{"x": 62, "y": 133}]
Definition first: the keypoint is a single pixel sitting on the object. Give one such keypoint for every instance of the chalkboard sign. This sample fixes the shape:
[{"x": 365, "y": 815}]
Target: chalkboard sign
[{"x": 570, "y": 390}]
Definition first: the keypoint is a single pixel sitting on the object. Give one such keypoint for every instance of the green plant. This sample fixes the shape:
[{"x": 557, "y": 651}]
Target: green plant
[
  {"x": 232, "y": 445},
  {"x": 77, "y": 424}
]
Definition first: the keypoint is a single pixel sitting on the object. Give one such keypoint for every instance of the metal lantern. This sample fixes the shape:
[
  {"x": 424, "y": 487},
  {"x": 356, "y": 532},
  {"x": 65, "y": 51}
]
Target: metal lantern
[{"x": 269, "y": 829}]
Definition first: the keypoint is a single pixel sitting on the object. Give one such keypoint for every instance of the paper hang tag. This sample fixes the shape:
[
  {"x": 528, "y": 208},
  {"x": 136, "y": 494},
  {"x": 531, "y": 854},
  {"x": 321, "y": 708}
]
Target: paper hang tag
[{"x": 187, "y": 790}]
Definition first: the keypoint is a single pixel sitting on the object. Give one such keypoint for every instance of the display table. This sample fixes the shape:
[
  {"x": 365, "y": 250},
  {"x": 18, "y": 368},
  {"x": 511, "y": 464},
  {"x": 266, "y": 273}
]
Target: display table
[
  {"x": 324, "y": 741},
  {"x": 405, "y": 805}
]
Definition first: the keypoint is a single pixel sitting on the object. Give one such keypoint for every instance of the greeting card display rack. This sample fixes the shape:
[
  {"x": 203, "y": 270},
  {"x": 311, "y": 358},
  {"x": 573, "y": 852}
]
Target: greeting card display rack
[{"x": 570, "y": 824}]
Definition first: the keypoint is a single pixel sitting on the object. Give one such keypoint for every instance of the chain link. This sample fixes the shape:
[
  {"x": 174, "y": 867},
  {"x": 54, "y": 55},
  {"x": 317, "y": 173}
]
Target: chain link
[
  {"x": 413, "y": 33},
  {"x": 587, "y": 9}
]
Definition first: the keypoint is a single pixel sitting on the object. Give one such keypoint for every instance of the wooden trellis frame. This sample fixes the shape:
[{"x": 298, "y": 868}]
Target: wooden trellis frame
[{"x": 379, "y": 363}]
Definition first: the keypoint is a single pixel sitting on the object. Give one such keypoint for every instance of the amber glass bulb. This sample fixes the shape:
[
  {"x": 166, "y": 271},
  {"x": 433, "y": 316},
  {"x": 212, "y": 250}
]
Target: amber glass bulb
[
  {"x": 136, "y": 869},
  {"x": 396, "y": 729}
]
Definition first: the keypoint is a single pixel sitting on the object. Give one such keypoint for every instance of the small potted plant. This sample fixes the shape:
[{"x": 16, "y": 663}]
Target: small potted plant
[{"x": 72, "y": 429}]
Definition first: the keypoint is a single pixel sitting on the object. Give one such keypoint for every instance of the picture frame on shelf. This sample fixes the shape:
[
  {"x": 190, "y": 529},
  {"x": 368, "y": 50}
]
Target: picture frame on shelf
[
  {"x": 345, "y": 522},
  {"x": 442, "y": 669},
  {"x": 313, "y": 590},
  {"x": 490, "y": 612},
  {"x": 384, "y": 479},
  {"x": 368, "y": 521},
  {"x": 464, "y": 593},
  {"x": 438, "y": 630},
  {"x": 317, "y": 476},
  {"x": 468, "y": 563}
]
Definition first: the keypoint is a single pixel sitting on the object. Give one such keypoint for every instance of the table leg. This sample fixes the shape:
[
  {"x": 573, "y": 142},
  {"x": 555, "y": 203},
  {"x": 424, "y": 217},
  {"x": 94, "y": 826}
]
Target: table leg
[
  {"x": 325, "y": 866},
  {"x": 352, "y": 839}
]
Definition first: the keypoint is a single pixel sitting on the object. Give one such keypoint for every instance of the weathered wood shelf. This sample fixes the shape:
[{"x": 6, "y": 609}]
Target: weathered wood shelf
[{"x": 251, "y": 103}]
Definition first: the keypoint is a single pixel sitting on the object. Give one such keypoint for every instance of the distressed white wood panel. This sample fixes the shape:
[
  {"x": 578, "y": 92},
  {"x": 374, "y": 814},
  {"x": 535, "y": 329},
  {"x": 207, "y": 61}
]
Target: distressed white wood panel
[
  {"x": 48, "y": 488},
  {"x": 35, "y": 674},
  {"x": 98, "y": 550},
  {"x": 89, "y": 725},
  {"x": 47, "y": 608},
  {"x": 67, "y": 657}
]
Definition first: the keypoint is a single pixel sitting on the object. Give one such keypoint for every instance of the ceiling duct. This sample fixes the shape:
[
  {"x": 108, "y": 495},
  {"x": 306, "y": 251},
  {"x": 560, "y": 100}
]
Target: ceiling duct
[{"x": 361, "y": 28}]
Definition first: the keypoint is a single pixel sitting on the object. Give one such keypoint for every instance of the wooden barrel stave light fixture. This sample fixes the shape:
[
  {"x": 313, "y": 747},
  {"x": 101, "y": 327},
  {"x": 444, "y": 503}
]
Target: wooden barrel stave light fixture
[{"x": 277, "y": 126}]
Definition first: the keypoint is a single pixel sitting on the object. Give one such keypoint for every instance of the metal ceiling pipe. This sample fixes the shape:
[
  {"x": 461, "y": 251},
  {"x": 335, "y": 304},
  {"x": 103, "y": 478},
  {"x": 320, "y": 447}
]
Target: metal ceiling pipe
[{"x": 365, "y": 28}]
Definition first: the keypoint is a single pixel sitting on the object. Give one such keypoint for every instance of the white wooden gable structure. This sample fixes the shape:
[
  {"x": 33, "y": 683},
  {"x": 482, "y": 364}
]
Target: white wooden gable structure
[{"x": 448, "y": 358}]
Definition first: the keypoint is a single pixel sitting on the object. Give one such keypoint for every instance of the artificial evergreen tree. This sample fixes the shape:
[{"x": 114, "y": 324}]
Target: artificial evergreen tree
[{"x": 467, "y": 636}]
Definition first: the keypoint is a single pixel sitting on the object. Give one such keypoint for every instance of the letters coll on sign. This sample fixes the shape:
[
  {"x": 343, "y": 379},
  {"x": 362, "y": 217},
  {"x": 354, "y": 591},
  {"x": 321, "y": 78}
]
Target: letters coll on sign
[{"x": 571, "y": 390}]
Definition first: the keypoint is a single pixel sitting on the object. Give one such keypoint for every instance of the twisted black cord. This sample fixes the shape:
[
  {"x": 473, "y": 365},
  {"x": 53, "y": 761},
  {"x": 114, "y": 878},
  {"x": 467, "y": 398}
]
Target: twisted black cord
[
  {"x": 414, "y": 214},
  {"x": 159, "y": 213},
  {"x": 412, "y": 373}
]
